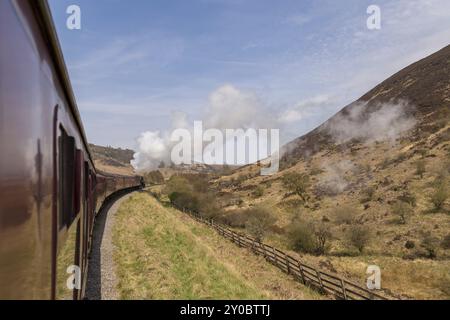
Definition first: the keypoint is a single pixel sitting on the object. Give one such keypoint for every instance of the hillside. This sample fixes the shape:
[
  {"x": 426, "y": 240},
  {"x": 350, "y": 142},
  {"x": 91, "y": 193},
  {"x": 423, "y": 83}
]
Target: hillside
[
  {"x": 112, "y": 160},
  {"x": 371, "y": 185},
  {"x": 422, "y": 89},
  {"x": 164, "y": 254},
  {"x": 166, "y": 172}
]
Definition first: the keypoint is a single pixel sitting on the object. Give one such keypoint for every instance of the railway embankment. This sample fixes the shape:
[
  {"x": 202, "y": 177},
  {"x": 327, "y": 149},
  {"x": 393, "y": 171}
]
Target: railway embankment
[{"x": 161, "y": 253}]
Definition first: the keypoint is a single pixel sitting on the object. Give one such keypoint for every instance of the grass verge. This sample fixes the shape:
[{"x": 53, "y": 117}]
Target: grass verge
[{"x": 163, "y": 254}]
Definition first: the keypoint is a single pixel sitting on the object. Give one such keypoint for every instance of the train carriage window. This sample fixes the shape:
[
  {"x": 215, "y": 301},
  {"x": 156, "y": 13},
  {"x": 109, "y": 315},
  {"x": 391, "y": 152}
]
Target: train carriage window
[
  {"x": 66, "y": 179},
  {"x": 79, "y": 160}
]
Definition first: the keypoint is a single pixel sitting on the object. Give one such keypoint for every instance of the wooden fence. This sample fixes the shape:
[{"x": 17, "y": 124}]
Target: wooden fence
[{"x": 324, "y": 282}]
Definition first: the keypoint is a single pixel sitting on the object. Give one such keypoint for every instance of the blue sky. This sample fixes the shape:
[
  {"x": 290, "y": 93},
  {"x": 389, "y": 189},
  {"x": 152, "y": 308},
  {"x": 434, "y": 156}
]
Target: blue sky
[{"x": 136, "y": 63}]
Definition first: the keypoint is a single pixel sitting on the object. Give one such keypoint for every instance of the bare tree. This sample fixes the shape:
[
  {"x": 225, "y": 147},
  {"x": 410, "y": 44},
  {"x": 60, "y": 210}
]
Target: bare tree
[
  {"x": 297, "y": 183},
  {"x": 359, "y": 236},
  {"x": 403, "y": 210}
]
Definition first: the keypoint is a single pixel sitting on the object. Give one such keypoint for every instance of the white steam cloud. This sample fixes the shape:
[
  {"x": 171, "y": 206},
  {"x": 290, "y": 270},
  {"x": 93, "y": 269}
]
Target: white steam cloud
[
  {"x": 154, "y": 146},
  {"x": 387, "y": 123},
  {"x": 334, "y": 181},
  {"x": 228, "y": 108}
]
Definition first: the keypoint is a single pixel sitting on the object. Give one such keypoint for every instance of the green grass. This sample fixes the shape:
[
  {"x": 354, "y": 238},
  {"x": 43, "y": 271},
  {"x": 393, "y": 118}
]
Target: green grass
[{"x": 163, "y": 254}]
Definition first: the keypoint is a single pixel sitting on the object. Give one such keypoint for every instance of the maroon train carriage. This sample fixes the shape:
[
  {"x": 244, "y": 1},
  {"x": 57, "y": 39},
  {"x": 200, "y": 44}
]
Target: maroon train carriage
[{"x": 50, "y": 190}]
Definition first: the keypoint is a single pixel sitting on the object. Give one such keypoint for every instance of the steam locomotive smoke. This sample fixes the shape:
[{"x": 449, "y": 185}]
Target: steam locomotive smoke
[
  {"x": 387, "y": 123},
  {"x": 228, "y": 108}
]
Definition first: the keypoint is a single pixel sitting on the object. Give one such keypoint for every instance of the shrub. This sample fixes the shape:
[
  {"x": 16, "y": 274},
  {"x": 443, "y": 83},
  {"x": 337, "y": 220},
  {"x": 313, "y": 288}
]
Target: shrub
[
  {"x": 190, "y": 192},
  {"x": 439, "y": 195},
  {"x": 345, "y": 215},
  {"x": 298, "y": 184},
  {"x": 420, "y": 168},
  {"x": 259, "y": 222},
  {"x": 241, "y": 178},
  {"x": 185, "y": 201},
  {"x": 235, "y": 219},
  {"x": 410, "y": 244},
  {"x": 368, "y": 194},
  {"x": 154, "y": 177},
  {"x": 323, "y": 235},
  {"x": 199, "y": 182},
  {"x": 386, "y": 163},
  {"x": 316, "y": 170},
  {"x": 408, "y": 198},
  {"x": 177, "y": 184},
  {"x": 423, "y": 152},
  {"x": 302, "y": 238},
  {"x": 430, "y": 245},
  {"x": 208, "y": 206},
  {"x": 308, "y": 238},
  {"x": 259, "y": 192},
  {"x": 445, "y": 244},
  {"x": 402, "y": 210},
  {"x": 359, "y": 236}
]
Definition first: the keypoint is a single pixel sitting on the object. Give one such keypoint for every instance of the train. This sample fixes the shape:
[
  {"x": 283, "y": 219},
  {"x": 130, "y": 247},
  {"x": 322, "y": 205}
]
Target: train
[{"x": 50, "y": 189}]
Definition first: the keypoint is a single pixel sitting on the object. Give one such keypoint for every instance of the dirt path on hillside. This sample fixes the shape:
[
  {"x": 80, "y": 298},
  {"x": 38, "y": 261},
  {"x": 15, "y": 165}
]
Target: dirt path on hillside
[{"x": 102, "y": 280}]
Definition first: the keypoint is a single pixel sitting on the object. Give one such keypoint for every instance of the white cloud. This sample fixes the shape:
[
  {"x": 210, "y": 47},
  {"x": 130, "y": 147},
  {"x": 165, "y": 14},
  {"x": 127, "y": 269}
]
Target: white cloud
[
  {"x": 228, "y": 108},
  {"x": 231, "y": 108},
  {"x": 337, "y": 58},
  {"x": 305, "y": 109}
]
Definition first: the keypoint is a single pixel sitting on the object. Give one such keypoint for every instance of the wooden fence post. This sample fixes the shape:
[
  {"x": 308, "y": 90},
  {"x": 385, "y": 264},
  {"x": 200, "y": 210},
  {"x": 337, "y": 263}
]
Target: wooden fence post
[
  {"x": 275, "y": 258},
  {"x": 264, "y": 249},
  {"x": 288, "y": 265},
  {"x": 320, "y": 281},
  {"x": 344, "y": 292},
  {"x": 301, "y": 272}
]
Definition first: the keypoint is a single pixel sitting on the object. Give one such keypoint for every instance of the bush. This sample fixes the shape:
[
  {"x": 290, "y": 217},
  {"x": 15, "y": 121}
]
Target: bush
[
  {"x": 345, "y": 215},
  {"x": 410, "y": 244},
  {"x": 298, "y": 184},
  {"x": 423, "y": 152},
  {"x": 259, "y": 192},
  {"x": 430, "y": 245},
  {"x": 190, "y": 192},
  {"x": 308, "y": 238},
  {"x": 154, "y": 177},
  {"x": 235, "y": 219},
  {"x": 259, "y": 222},
  {"x": 408, "y": 198},
  {"x": 316, "y": 170},
  {"x": 323, "y": 236},
  {"x": 359, "y": 236},
  {"x": 420, "y": 168},
  {"x": 386, "y": 163},
  {"x": 368, "y": 194},
  {"x": 241, "y": 178},
  {"x": 445, "y": 244},
  {"x": 177, "y": 184},
  {"x": 439, "y": 195},
  {"x": 302, "y": 238},
  {"x": 185, "y": 201},
  {"x": 208, "y": 207},
  {"x": 403, "y": 210}
]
